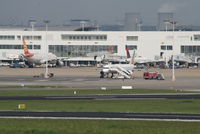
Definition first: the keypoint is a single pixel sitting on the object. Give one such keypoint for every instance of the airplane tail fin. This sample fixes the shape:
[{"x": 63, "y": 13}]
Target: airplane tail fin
[
  {"x": 26, "y": 52},
  {"x": 132, "y": 61},
  {"x": 133, "y": 58},
  {"x": 127, "y": 52}
]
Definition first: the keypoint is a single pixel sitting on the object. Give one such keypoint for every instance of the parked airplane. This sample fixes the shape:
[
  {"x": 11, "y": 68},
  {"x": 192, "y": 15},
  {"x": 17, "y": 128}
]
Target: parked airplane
[
  {"x": 125, "y": 70},
  {"x": 32, "y": 59},
  {"x": 181, "y": 61}
]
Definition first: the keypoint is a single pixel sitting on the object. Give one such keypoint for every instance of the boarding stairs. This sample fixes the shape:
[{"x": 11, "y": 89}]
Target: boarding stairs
[{"x": 123, "y": 72}]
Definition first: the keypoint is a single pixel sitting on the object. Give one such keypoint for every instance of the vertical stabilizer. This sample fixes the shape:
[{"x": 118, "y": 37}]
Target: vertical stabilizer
[
  {"x": 26, "y": 52},
  {"x": 127, "y": 52},
  {"x": 132, "y": 61},
  {"x": 133, "y": 58}
]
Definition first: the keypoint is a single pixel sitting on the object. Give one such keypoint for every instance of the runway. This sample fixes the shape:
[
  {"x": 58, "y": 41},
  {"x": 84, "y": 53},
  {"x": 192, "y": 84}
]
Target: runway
[
  {"x": 104, "y": 97},
  {"x": 100, "y": 115}
]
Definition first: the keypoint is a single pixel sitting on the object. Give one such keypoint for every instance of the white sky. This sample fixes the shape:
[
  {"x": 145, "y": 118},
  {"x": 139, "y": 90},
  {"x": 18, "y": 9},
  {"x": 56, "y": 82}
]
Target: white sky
[{"x": 104, "y": 11}]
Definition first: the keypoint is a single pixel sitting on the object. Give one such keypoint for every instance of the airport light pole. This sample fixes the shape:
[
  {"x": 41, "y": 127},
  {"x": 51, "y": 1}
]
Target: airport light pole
[
  {"x": 32, "y": 23},
  {"x": 46, "y": 68},
  {"x": 83, "y": 25},
  {"x": 166, "y": 24},
  {"x": 173, "y": 72},
  {"x": 173, "y": 31}
]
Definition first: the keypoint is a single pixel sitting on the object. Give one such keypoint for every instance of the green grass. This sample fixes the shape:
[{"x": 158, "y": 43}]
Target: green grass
[
  {"x": 62, "y": 92},
  {"x": 32, "y": 86},
  {"x": 155, "y": 106},
  {"x": 47, "y": 126}
]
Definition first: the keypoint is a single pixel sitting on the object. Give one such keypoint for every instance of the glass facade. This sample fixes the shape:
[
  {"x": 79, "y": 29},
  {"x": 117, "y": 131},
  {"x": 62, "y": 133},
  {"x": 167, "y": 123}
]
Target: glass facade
[
  {"x": 132, "y": 47},
  {"x": 84, "y": 37},
  {"x": 132, "y": 38},
  {"x": 19, "y": 47},
  {"x": 166, "y": 47},
  {"x": 30, "y": 37},
  {"x": 80, "y": 50},
  {"x": 163, "y": 47},
  {"x": 7, "y": 37},
  {"x": 197, "y": 37},
  {"x": 190, "y": 50}
]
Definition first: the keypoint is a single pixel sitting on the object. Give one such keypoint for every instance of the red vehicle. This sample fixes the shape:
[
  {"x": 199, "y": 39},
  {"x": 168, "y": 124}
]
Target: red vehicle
[
  {"x": 150, "y": 75},
  {"x": 153, "y": 76}
]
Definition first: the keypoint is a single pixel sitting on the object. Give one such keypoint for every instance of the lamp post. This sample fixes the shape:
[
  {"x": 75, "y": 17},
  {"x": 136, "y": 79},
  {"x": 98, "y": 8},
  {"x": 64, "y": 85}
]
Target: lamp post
[
  {"x": 166, "y": 24},
  {"x": 83, "y": 23},
  {"x": 46, "y": 68},
  {"x": 166, "y": 27},
  {"x": 32, "y": 23},
  {"x": 173, "y": 73},
  {"x": 173, "y": 30}
]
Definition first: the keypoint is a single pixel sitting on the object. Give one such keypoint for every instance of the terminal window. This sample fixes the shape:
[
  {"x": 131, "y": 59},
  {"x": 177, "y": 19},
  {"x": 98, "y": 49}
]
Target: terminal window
[
  {"x": 37, "y": 47},
  {"x": 7, "y": 37},
  {"x": 30, "y": 37},
  {"x": 169, "y": 47},
  {"x": 132, "y": 38},
  {"x": 19, "y": 46},
  {"x": 84, "y": 37},
  {"x": 132, "y": 47},
  {"x": 80, "y": 50},
  {"x": 163, "y": 47},
  {"x": 197, "y": 37},
  {"x": 166, "y": 47},
  {"x": 19, "y": 37},
  {"x": 190, "y": 50}
]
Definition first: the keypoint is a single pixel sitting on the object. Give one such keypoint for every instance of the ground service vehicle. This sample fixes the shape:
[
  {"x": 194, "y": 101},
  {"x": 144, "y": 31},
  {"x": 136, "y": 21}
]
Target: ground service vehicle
[{"x": 153, "y": 75}]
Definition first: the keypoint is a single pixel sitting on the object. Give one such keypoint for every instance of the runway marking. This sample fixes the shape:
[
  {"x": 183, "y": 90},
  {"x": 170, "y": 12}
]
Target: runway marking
[
  {"x": 84, "y": 118},
  {"x": 42, "y": 80},
  {"x": 20, "y": 79},
  {"x": 70, "y": 97}
]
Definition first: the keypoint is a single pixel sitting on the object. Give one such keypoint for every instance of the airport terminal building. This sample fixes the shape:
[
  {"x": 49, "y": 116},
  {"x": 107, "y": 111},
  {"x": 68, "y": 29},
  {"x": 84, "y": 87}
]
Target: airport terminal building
[{"x": 83, "y": 45}]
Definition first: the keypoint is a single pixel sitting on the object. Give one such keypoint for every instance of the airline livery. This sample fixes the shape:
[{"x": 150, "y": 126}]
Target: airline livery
[{"x": 36, "y": 58}]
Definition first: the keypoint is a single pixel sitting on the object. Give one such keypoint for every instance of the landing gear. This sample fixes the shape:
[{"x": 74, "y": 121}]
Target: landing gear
[
  {"x": 101, "y": 74},
  {"x": 30, "y": 65}
]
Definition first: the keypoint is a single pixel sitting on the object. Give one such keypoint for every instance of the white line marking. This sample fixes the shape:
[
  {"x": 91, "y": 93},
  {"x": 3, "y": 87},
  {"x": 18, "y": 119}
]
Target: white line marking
[{"x": 84, "y": 118}]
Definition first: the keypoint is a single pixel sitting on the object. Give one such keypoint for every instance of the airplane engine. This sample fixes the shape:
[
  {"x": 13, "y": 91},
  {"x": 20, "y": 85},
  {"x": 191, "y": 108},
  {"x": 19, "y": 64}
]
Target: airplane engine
[
  {"x": 106, "y": 70},
  {"x": 21, "y": 57},
  {"x": 59, "y": 63}
]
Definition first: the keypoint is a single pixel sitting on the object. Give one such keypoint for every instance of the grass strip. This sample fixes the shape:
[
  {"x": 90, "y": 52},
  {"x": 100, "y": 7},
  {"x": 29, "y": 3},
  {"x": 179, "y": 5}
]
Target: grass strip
[
  {"x": 153, "y": 106},
  {"x": 55, "y": 126},
  {"x": 32, "y": 86},
  {"x": 61, "y": 92}
]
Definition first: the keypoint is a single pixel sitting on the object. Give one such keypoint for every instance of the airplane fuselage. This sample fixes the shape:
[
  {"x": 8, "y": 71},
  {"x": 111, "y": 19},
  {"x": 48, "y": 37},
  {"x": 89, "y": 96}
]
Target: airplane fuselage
[{"x": 39, "y": 58}]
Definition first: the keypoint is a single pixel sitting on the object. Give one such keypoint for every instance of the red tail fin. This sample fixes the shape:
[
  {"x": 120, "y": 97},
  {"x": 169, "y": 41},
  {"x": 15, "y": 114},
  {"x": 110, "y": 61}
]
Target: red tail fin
[
  {"x": 127, "y": 52},
  {"x": 26, "y": 52}
]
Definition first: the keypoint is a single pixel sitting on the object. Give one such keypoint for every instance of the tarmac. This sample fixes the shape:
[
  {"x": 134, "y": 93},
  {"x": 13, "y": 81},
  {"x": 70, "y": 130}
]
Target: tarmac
[
  {"x": 100, "y": 115},
  {"x": 106, "y": 97},
  {"x": 89, "y": 78}
]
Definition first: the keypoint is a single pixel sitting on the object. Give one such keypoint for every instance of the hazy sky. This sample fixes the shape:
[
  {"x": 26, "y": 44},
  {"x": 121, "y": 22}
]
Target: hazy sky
[{"x": 104, "y": 11}]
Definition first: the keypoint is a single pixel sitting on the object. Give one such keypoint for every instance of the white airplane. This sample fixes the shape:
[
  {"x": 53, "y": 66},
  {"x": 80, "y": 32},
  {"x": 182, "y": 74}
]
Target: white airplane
[
  {"x": 138, "y": 60},
  {"x": 36, "y": 58},
  {"x": 125, "y": 70},
  {"x": 142, "y": 60}
]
